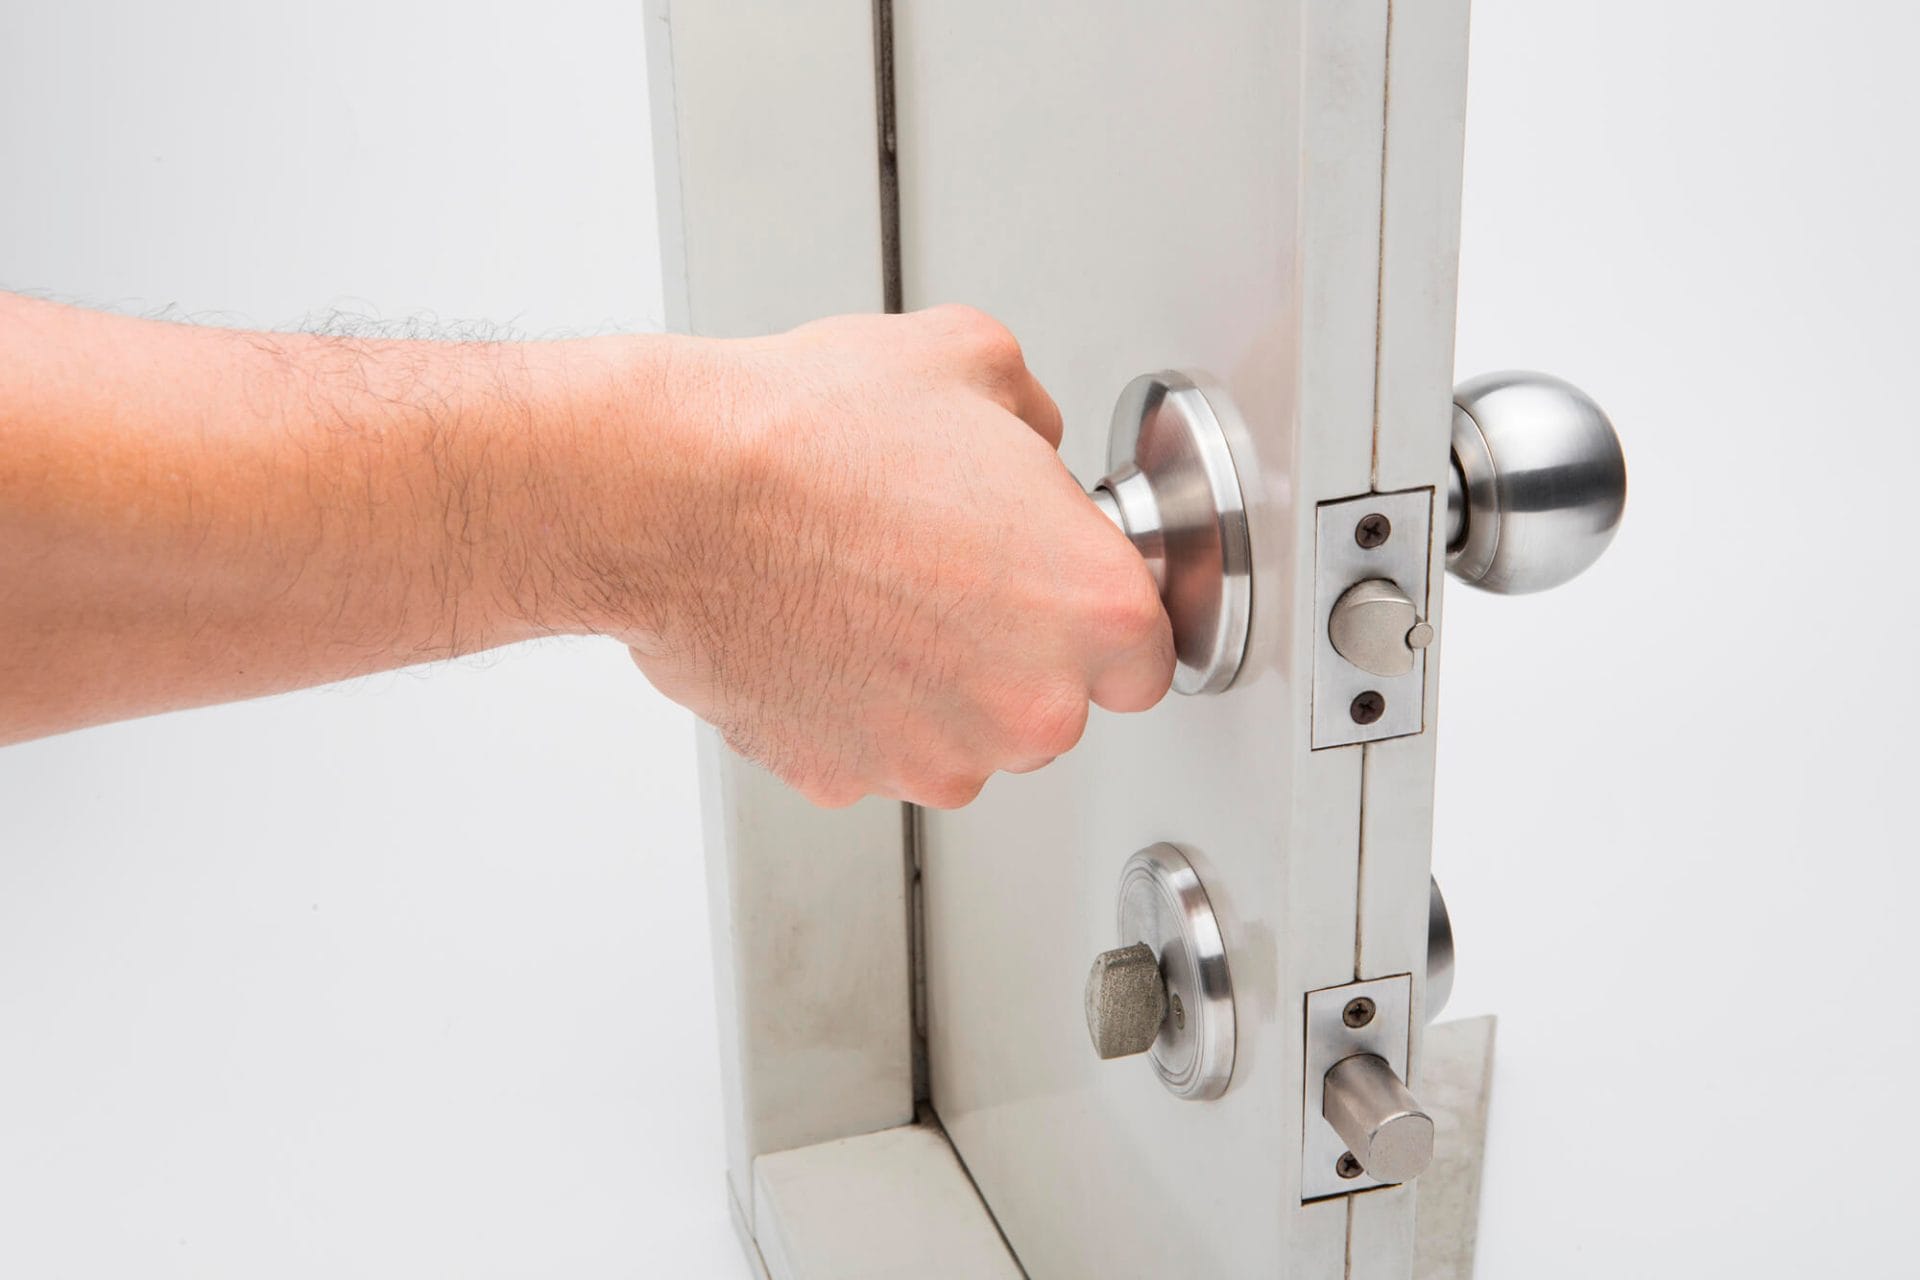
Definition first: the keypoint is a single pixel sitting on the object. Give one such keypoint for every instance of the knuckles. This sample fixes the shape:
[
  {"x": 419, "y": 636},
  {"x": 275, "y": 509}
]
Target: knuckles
[
  {"x": 1126, "y": 608},
  {"x": 1049, "y": 725},
  {"x": 990, "y": 343},
  {"x": 832, "y": 793},
  {"x": 947, "y": 791}
]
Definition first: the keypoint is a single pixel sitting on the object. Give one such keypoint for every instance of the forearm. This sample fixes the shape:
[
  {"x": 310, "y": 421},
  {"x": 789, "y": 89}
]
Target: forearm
[
  {"x": 194, "y": 515},
  {"x": 850, "y": 547}
]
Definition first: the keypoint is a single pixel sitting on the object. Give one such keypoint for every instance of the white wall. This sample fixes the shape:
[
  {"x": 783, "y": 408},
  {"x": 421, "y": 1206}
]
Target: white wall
[
  {"x": 406, "y": 977},
  {"x": 1675, "y": 799},
  {"x": 409, "y": 978}
]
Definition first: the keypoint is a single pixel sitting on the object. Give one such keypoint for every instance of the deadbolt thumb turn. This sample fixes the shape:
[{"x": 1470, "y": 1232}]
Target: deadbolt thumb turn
[{"x": 1166, "y": 992}]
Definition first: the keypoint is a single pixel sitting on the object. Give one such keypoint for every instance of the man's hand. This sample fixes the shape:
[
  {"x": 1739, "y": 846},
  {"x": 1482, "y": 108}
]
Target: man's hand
[
  {"x": 851, "y": 547},
  {"x": 888, "y": 583}
]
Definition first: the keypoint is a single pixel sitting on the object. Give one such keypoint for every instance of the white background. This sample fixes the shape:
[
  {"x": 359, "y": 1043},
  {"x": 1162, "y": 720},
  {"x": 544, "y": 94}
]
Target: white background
[
  {"x": 1675, "y": 798},
  {"x": 409, "y": 977}
]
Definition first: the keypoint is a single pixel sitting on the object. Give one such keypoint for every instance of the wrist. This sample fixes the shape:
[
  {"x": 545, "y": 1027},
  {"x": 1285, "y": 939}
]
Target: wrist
[{"x": 622, "y": 449}]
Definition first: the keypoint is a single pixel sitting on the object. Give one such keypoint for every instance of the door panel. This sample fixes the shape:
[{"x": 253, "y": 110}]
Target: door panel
[{"x": 1129, "y": 193}]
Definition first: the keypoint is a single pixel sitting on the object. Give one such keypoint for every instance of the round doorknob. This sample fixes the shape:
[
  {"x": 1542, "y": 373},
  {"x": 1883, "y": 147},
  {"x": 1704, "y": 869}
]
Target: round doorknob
[
  {"x": 1538, "y": 484},
  {"x": 1174, "y": 491}
]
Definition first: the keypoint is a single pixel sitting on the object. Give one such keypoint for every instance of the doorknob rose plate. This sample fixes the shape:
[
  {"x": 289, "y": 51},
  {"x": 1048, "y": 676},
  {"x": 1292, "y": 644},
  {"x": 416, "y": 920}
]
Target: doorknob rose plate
[
  {"x": 1164, "y": 913},
  {"x": 1175, "y": 492}
]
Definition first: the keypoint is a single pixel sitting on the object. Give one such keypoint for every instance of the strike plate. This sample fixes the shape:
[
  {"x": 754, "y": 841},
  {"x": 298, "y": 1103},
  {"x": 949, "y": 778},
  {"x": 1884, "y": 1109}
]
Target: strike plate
[
  {"x": 1340, "y": 561},
  {"x": 1329, "y": 1039}
]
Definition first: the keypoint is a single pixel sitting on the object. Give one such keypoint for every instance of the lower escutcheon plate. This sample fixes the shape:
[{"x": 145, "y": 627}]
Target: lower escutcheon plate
[{"x": 1163, "y": 904}]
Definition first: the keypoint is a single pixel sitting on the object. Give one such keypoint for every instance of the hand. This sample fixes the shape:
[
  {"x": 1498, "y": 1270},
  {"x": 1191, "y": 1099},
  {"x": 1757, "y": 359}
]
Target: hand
[{"x": 884, "y": 580}]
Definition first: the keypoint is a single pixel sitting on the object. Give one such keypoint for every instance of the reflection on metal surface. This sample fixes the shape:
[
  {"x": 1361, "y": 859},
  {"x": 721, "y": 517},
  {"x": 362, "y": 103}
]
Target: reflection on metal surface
[
  {"x": 1456, "y": 504},
  {"x": 1164, "y": 910},
  {"x": 1174, "y": 491},
  {"x": 1439, "y": 951},
  {"x": 1542, "y": 482}
]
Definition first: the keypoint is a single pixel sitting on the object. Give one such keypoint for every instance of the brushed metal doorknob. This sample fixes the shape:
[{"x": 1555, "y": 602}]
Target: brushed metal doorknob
[
  {"x": 1385, "y": 1130},
  {"x": 1172, "y": 488},
  {"x": 1538, "y": 483}
]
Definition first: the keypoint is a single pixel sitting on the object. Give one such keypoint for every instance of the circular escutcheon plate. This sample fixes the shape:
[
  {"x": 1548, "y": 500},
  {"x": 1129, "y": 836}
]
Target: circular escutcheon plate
[{"x": 1163, "y": 904}]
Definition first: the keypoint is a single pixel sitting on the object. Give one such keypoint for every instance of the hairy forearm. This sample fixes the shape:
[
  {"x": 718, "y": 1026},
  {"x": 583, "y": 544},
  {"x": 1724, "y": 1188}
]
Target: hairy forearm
[
  {"x": 850, "y": 547},
  {"x": 193, "y": 515}
]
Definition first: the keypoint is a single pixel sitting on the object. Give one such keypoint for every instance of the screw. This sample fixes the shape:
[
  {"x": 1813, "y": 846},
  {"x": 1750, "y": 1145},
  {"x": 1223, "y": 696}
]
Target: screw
[
  {"x": 1346, "y": 1166},
  {"x": 1372, "y": 530},
  {"x": 1358, "y": 1013},
  {"x": 1368, "y": 707},
  {"x": 1179, "y": 1015}
]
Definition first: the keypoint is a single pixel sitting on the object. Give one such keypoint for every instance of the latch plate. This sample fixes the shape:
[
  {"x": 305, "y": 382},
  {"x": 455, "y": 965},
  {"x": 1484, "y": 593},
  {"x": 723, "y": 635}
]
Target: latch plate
[
  {"x": 1341, "y": 560},
  {"x": 1386, "y": 1032}
]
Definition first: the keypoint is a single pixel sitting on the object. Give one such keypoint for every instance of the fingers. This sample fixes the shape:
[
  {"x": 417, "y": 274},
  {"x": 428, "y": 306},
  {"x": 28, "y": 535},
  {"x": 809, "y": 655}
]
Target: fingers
[
  {"x": 1139, "y": 679},
  {"x": 1134, "y": 668},
  {"x": 1132, "y": 664},
  {"x": 937, "y": 647}
]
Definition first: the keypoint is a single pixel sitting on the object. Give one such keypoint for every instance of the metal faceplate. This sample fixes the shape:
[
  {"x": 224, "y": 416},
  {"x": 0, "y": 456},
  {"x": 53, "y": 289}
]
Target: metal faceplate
[
  {"x": 1341, "y": 562},
  {"x": 1329, "y": 1040}
]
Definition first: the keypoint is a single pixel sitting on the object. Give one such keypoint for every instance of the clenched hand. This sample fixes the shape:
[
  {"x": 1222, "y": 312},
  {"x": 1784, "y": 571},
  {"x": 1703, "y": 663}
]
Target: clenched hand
[{"x": 886, "y": 581}]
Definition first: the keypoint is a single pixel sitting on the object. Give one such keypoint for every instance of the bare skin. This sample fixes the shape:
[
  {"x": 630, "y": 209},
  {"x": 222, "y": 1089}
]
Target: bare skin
[{"x": 850, "y": 547}]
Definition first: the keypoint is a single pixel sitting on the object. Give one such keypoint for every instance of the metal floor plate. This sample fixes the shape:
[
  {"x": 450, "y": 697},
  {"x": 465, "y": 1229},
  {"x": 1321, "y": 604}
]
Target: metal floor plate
[{"x": 1455, "y": 1084}]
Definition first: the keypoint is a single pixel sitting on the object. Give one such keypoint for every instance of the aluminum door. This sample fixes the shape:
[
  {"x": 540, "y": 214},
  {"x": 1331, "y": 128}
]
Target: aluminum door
[{"x": 1266, "y": 193}]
